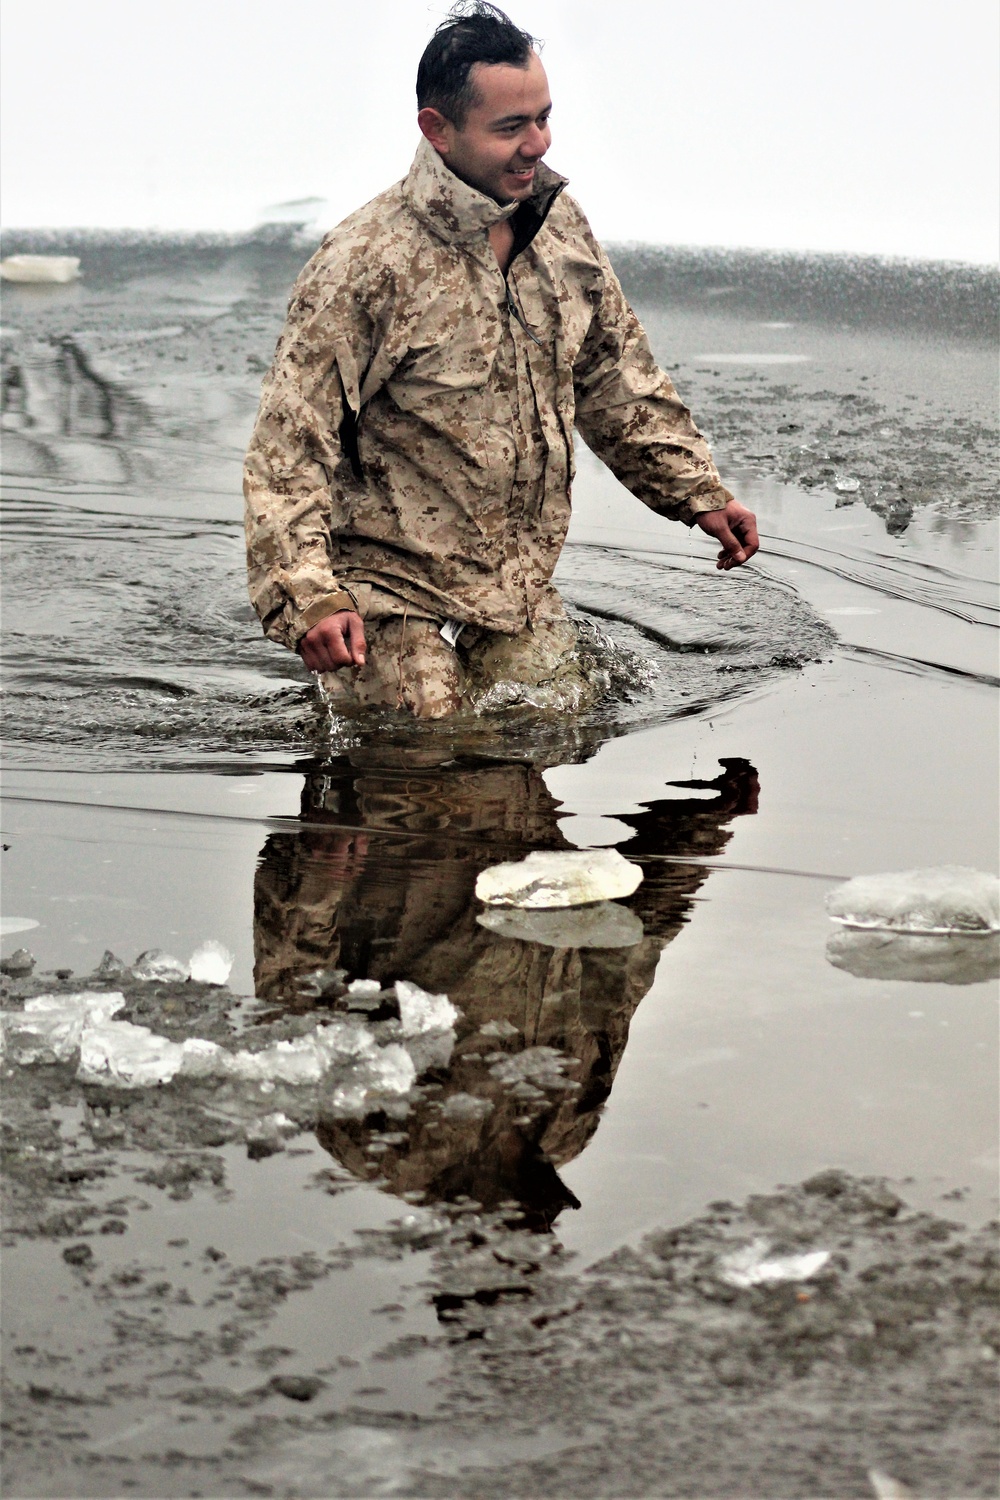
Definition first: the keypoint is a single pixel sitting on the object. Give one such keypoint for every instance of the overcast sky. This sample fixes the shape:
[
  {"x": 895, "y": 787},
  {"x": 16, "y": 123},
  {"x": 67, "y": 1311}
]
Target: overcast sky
[{"x": 866, "y": 125}]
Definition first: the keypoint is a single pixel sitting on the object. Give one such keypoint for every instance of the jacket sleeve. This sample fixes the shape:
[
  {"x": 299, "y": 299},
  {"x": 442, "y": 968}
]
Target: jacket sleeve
[
  {"x": 629, "y": 414},
  {"x": 308, "y": 401}
]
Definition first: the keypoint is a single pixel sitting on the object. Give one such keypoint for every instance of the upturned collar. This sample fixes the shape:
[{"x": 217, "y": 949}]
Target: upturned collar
[{"x": 454, "y": 210}]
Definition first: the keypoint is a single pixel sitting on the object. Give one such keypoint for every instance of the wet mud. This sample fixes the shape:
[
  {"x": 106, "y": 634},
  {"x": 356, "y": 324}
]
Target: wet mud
[{"x": 364, "y": 1242}]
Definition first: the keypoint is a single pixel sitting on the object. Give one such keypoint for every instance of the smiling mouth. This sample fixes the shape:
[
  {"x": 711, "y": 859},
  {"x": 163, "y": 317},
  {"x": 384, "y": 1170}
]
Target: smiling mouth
[{"x": 521, "y": 171}]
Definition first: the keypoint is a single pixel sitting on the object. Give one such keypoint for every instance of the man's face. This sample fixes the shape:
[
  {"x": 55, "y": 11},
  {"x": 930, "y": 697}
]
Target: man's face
[{"x": 504, "y": 135}]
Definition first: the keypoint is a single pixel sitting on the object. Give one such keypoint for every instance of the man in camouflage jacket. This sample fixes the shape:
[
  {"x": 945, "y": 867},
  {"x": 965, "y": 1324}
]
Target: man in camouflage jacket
[{"x": 412, "y": 459}]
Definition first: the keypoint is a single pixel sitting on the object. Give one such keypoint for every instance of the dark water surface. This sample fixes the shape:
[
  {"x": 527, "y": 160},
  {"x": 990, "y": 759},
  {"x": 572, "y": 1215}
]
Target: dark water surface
[{"x": 171, "y": 777}]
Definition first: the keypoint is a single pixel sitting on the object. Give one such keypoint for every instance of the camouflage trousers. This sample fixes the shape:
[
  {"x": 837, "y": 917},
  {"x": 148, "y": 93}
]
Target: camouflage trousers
[{"x": 410, "y": 665}]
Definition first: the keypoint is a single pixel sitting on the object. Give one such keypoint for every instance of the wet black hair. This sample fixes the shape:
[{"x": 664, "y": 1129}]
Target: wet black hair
[{"x": 474, "y": 32}]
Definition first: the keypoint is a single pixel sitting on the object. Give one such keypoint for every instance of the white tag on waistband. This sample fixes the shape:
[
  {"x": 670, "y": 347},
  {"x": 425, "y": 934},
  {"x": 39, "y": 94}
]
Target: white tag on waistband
[{"x": 451, "y": 630}]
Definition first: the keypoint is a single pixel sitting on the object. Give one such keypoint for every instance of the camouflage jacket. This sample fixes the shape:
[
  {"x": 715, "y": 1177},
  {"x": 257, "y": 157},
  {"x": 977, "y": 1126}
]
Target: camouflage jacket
[{"x": 415, "y": 434}]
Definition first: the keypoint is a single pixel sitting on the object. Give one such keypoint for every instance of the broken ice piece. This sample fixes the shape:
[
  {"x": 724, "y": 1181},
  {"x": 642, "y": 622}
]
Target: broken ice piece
[
  {"x": 755, "y": 1266},
  {"x": 844, "y": 485},
  {"x": 364, "y": 988},
  {"x": 603, "y": 925},
  {"x": 40, "y": 268},
  {"x": 131, "y": 1056},
  {"x": 558, "y": 878},
  {"x": 419, "y": 1011},
  {"x": 946, "y": 899},
  {"x": 18, "y": 964},
  {"x": 211, "y": 963},
  {"x": 110, "y": 966},
  {"x": 154, "y": 964},
  {"x": 53, "y": 1025}
]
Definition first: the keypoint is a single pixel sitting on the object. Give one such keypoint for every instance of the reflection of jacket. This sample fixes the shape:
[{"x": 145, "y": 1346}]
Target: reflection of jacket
[
  {"x": 415, "y": 437},
  {"x": 388, "y": 907}
]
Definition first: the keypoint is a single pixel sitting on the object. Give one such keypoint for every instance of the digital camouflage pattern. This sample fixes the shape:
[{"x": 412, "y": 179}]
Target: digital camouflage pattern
[
  {"x": 414, "y": 444},
  {"x": 410, "y": 666}
]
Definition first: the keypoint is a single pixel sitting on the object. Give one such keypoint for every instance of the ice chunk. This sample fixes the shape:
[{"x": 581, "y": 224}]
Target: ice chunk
[
  {"x": 604, "y": 925},
  {"x": 950, "y": 898},
  {"x": 392, "y": 1070},
  {"x": 755, "y": 1266},
  {"x": 419, "y": 1011},
  {"x": 954, "y": 958},
  {"x": 18, "y": 964},
  {"x": 51, "y": 1026},
  {"x": 40, "y": 268},
  {"x": 845, "y": 485},
  {"x": 557, "y": 878},
  {"x": 211, "y": 963},
  {"x": 110, "y": 966},
  {"x": 365, "y": 989},
  {"x": 154, "y": 964},
  {"x": 130, "y": 1056}
]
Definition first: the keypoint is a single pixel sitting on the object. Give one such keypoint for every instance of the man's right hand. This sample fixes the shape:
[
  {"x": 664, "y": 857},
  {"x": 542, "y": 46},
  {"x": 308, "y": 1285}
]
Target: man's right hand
[{"x": 337, "y": 641}]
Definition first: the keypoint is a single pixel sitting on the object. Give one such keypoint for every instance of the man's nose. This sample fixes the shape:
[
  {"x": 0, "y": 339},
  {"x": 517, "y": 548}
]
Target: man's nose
[{"x": 535, "y": 143}]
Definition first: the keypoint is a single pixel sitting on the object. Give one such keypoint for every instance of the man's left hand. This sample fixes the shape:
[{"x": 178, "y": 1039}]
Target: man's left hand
[{"x": 736, "y": 529}]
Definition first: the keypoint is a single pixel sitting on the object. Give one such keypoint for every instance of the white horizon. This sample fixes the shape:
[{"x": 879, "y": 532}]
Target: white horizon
[{"x": 869, "y": 131}]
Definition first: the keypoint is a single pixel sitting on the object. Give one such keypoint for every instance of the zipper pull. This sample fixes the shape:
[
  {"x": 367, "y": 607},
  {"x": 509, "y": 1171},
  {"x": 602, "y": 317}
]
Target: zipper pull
[{"x": 513, "y": 307}]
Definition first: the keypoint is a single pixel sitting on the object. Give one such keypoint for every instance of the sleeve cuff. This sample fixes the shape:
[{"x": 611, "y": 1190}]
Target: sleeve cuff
[{"x": 319, "y": 609}]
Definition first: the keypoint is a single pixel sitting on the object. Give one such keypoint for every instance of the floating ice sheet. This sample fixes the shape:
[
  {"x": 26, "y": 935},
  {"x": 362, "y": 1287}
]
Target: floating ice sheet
[
  {"x": 604, "y": 925},
  {"x": 10, "y": 925},
  {"x": 947, "y": 899},
  {"x": 547, "y": 879},
  {"x": 956, "y": 958},
  {"x": 754, "y": 1265},
  {"x": 40, "y": 268}
]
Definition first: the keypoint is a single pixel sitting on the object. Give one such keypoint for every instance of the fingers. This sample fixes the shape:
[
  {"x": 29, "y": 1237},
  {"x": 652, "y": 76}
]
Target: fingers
[
  {"x": 338, "y": 641},
  {"x": 356, "y": 634},
  {"x": 736, "y": 528}
]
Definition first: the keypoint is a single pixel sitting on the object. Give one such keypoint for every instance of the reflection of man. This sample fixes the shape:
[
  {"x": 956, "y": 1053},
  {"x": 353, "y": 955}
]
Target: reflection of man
[
  {"x": 412, "y": 460},
  {"x": 381, "y": 882}
]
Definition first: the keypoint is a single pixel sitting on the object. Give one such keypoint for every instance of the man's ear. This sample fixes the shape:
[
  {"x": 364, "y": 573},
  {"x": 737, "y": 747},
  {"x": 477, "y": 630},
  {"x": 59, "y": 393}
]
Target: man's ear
[{"x": 437, "y": 128}]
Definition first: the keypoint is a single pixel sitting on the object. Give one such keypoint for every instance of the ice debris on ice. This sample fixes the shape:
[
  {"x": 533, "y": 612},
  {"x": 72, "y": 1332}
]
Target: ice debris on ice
[
  {"x": 947, "y": 899},
  {"x": 558, "y": 878},
  {"x": 604, "y": 925},
  {"x": 955, "y": 958},
  {"x": 420, "y": 1012},
  {"x": 845, "y": 485},
  {"x": 40, "y": 268},
  {"x": 754, "y": 1265},
  {"x": 154, "y": 964},
  {"x": 211, "y": 963},
  {"x": 51, "y": 1026}
]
